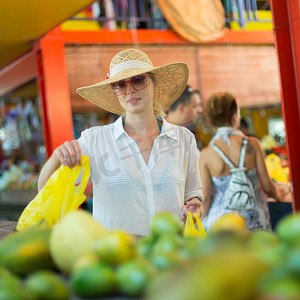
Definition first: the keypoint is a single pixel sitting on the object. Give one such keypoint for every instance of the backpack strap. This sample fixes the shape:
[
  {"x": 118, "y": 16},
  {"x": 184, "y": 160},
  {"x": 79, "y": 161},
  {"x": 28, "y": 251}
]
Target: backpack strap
[
  {"x": 243, "y": 152},
  {"x": 224, "y": 157},
  {"x": 230, "y": 164}
]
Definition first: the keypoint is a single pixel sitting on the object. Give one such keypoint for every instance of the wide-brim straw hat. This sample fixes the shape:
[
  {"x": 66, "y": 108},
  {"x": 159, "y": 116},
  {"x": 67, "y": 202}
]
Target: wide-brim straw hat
[{"x": 171, "y": 79}]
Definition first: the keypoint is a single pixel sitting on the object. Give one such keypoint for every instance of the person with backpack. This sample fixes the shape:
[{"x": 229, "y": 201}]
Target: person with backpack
[{"x": 233, "y": 170}]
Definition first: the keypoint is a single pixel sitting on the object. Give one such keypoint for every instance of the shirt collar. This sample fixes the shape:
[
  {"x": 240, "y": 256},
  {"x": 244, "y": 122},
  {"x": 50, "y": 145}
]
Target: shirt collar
[
  {"x": 118, "y": 127},
  {"x": 167, "y": 129}
]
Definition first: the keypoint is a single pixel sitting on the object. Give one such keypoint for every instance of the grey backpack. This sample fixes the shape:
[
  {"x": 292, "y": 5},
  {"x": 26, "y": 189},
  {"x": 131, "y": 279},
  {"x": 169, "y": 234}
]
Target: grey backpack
[{"x": 239, "y": 194}]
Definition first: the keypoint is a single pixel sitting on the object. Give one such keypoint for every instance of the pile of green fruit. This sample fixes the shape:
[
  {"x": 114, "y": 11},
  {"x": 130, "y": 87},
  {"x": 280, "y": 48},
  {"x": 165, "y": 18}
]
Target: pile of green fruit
[{"x": 78, "y": 258}]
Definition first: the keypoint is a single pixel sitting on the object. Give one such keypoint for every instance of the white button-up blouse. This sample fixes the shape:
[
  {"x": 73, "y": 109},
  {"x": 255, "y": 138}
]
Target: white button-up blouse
[{"x": 127, "y": 192}]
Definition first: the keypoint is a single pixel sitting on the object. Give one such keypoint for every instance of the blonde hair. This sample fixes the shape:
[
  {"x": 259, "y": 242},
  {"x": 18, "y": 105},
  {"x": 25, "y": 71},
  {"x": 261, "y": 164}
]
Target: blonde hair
[{"x": 158, "y": 110}]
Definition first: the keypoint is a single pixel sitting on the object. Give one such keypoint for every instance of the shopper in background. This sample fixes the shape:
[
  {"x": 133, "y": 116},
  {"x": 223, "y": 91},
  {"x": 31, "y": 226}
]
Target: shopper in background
[
  {"x": 223, "y": 114},
  {"x": 186, "y": 109},
  {"x": 140, "y": 164}
]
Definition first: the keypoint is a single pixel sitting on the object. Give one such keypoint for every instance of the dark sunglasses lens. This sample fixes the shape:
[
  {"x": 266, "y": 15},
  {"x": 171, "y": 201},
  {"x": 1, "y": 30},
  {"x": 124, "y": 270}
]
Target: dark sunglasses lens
[
  {"x": 119, "y": 85},
  {"x": 138, "y": 82}
]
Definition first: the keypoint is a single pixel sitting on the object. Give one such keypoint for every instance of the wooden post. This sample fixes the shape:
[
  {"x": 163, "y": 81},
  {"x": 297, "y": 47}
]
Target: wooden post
[{"x": 54, "y": 91}]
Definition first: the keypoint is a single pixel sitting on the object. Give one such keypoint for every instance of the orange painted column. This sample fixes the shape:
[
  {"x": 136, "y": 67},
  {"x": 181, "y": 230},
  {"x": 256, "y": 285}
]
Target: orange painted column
[
  {"x": 286, "y": 20},
  {"x": 54, "y": 91}
]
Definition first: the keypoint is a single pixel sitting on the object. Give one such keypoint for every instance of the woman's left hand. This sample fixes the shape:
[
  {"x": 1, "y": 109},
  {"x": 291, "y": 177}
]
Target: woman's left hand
[{"x": 194, "y": 206}]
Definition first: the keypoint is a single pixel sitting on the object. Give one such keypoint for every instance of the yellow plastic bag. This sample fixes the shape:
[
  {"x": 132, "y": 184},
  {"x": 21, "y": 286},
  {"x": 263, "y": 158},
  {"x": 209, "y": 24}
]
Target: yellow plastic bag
[
  {"x": 190, "y": 229},
  {"x": 62, "y": 194}
]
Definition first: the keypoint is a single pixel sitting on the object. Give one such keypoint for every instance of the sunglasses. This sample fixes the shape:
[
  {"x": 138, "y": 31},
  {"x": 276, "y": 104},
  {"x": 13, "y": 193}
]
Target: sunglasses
[{"x": 138, "y": 83}]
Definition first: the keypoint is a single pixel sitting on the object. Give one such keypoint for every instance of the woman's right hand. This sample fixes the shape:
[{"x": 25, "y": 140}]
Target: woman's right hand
[{"x": 69, "y": 153}]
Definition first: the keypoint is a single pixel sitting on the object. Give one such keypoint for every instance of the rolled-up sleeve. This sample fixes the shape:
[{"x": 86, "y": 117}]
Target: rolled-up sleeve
[{"x": 193, "y": 186}]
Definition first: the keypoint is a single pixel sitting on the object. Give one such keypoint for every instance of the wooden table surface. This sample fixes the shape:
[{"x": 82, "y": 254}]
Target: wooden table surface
[{"x": 7, "y": 227}]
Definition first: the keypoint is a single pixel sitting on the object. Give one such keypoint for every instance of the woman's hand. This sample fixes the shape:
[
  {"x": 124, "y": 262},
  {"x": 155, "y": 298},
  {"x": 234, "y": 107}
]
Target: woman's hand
[
  {"x": 69, "y": 153},
  {"x": 194, "y": 206}
]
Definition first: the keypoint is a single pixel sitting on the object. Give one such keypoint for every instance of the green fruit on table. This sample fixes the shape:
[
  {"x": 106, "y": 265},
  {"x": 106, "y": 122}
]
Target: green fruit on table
[
  {"x": 26, "y": 251},
  {"x": 73, "y": 236},
  {"x": 47, "y": 285},
  {"x": 9, "y": 280},
  {"x": 166, "y": 223},
  {"x": 115, "y": 247},
  {"x": 144, "y": 246},
  {"x": 288, "y": 229},
  {"x": 167, "y": 261},
  {"x": 132, "y": 277},
  {"x": 94, "y": 281},
  {"x": 167, "y": 243},
  {"x": 15, "y": 294}
]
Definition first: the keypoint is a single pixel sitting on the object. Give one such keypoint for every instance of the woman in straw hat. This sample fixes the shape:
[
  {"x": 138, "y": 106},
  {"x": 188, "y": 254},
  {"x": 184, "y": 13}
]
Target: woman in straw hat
[{"x": 140, "y": 164}]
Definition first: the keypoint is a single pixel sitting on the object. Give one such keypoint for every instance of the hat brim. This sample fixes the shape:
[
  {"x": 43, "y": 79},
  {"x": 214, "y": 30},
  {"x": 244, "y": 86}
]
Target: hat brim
[{"x": 171, "y": 80}]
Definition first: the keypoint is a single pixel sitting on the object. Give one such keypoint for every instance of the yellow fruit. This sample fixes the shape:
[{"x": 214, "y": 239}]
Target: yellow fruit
[
  {"x": 47, "y": 285},
  {"x": 221, "y": 276},
  {"x": 95, "y": 281},
  {"x": 230, "y": 222},
  {"x": 166, "y": 223},
  {"x": 26, "y": 251},
  {"x": 73, "y": 236},
  {"x": 85, "y": 260},
  {"x": 115, "y": 247}
]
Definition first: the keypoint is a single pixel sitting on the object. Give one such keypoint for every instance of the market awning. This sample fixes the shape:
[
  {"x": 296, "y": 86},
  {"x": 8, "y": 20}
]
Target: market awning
[{"x": 23, "y": 22}]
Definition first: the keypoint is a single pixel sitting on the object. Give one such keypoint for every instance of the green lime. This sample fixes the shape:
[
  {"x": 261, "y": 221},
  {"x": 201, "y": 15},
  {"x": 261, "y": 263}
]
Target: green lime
[
  {"x": 97, "y": 280},
  {"x": 288, "y": 229},
  {"x": 293, "y": 261},
  {"x": 261, "y": 239},
  {"x": 166, "y": 223},
  {"x": 9, "y": 280},
  {"x": 7, "y": 293},
  {"x": 286, "y": 288},
  {"x": 191, "y": 247},
  {"x": 166, "y": 261},
  {"x": 168, "y": 243},
  {"x": 46, "y": 284},
  {"x": 144, "y": 246},
  {"x": 133, "y": 277}
]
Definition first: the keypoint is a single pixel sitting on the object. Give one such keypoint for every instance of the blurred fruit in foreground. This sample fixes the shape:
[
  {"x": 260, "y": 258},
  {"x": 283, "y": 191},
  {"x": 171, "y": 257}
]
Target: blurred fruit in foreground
[
  {"x": 115, "y": 247},
  {"x": 168, "y": 260},
  {"x": 73, "y": 236},
  {"x": 47, "y": 285},
  {"x": 279, "y": 284},
  {"x": 166, "y": 223},
  {"x": 288, "y": 229},
  {"x": 15, "y": 294},
  {"x": 167, "y": 243},
  {"x": 219, "y": 276},
  {"x": 85, "y": 260},
  {"x": 230, "y": 222},
  {"x": 9, "y": 280},
  {"x": 144, "y": 246},
  {"x": 226, "y": 240},
  {"x": 94, "y": 281},
  {"x": 26, "y": 251},
  {"x": 266, "y": 246},
  {"x": 133, "y": 277}
]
